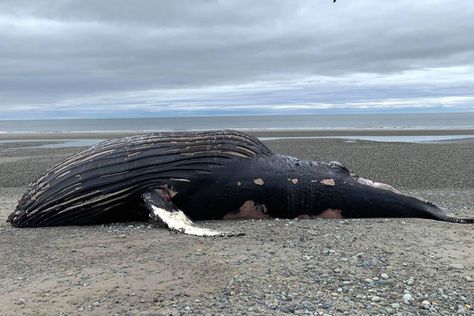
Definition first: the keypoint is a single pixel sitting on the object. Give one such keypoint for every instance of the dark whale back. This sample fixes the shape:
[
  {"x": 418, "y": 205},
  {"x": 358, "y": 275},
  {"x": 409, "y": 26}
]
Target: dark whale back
[{"x": 103, "y": 182}]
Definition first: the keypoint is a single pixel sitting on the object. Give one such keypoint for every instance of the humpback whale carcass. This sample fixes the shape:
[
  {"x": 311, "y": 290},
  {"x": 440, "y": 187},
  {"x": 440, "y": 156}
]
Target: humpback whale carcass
[{"x": 177, "y": 177}]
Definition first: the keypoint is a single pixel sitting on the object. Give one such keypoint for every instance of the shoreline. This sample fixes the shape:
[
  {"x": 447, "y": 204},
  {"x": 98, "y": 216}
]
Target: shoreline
[{"x": 284, "y": 133}]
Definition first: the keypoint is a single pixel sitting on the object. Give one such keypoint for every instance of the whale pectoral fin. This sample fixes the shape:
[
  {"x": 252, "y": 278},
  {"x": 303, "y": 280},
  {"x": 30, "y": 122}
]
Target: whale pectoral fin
[{"x": 166, "y": 212}]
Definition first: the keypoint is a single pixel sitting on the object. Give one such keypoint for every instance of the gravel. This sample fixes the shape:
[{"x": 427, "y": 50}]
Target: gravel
[{"x": 302, "y": 267}]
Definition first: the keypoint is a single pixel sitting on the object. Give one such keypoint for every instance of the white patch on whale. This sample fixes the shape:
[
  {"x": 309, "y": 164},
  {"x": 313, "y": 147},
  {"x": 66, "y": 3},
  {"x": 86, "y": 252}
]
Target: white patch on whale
[
  {"x": 329, "y": 182},
  {"x": 378, "y": 185},
  {"x": 178, "y": 221}
]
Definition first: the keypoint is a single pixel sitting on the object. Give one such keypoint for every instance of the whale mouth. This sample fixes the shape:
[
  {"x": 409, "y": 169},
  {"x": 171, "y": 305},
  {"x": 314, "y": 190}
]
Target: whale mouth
[{"x": 377, "y": 185}]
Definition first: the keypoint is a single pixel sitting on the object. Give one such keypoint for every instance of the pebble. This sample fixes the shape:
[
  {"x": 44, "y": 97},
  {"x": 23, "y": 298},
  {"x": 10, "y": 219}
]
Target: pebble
[
  {"x": 384, "y": 276},
  {"x": 461, "y": 310},
  {"x": 375, "y": 298},
  {"x": 456, "y": 266},
  {"x": 395, "y": 305},
  {"x": 469, "y": 279},
  {"x": 20, "y": 301},
  {"x": 426, "y": 304},
  {"x": 407, "y": 298}
]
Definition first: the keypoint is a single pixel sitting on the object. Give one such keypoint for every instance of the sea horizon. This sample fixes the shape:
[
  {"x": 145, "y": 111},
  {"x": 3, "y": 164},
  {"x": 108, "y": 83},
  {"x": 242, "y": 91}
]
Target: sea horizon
[{"x": 386, "y": 121}]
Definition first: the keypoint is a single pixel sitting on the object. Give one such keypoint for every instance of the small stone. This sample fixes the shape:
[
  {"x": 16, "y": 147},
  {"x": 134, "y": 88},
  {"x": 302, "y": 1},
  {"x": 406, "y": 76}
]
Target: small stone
[
  {"x": 375, "y": 298},
  {"x": 395, "y": 305},
  {"x": 325, "y": 305},
  {"x": 20, "y": 301},
  {"x": 426, "y": 304},
  {"x": 461, "y": 310},
  {"x": 187, "y": 308},
  {"x": 81, "y": 309},
  {"x": 410, "y": 281},
  {"x": 407, "y": 298},
  {"x": 96, "y": 304},
  {"x": 456, "y": 266},
  {"x": 384, "y": 276},
  {"x": 369, "y": 280},
  {"x": 469, "y": 279}
]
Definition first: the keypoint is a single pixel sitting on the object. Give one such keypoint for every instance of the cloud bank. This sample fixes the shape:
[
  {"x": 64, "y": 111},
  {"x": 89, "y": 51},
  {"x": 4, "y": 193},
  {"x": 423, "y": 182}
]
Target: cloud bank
[{"x": 165, "y": 58}]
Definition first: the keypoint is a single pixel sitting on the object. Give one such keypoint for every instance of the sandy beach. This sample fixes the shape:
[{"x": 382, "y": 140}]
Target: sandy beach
[{"x": 305, "y": 267}]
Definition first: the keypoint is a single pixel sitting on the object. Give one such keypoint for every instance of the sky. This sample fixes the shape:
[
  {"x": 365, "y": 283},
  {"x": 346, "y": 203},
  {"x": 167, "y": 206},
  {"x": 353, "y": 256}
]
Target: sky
[{"x": 113, "y": 58}]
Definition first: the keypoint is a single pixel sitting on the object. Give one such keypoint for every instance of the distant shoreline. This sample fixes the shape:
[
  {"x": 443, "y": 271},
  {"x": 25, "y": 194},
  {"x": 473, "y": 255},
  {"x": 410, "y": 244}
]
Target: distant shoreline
[{"x": 258, "y": 133}]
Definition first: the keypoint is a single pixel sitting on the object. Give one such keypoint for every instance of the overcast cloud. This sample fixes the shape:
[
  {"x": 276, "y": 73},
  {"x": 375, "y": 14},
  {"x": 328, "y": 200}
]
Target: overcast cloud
[{"x": 134, "y": 58}]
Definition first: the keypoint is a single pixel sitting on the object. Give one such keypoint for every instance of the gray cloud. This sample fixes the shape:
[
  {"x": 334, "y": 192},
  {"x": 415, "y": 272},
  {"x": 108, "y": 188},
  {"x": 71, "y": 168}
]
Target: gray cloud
[{"x": 152, "y": 56}]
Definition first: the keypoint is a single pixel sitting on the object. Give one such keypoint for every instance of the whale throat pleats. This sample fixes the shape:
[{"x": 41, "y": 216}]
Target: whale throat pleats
[{"x": 110, "y": 176}]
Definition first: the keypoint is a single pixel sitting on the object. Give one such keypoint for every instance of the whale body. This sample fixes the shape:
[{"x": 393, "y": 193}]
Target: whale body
[{"x": 178, "y": 177}]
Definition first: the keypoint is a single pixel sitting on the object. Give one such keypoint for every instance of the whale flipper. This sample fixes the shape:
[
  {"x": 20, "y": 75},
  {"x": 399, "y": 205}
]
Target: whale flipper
[{"x": 166, "y": 212}]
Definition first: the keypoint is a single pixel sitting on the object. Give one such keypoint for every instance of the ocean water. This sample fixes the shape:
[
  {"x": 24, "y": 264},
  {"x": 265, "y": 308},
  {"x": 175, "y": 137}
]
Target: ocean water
[{"x": 280, "y": 122}]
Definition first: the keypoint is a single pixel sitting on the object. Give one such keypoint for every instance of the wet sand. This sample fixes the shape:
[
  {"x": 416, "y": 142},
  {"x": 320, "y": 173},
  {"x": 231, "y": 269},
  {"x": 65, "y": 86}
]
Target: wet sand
[
  {"x": 307, "y": 267},
  {"x": 257, "y": 133}
]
